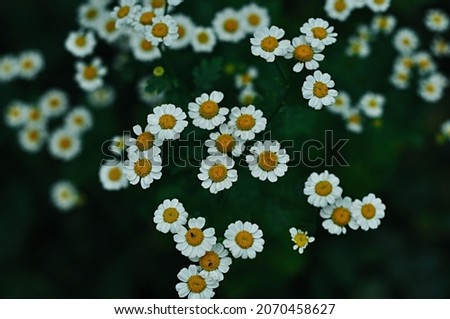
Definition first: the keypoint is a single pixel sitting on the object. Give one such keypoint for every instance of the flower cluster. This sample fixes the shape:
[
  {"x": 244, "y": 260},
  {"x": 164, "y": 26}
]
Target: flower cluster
[
  {"x": 341, "y": 9},
  {"x": 25, "y": 65}
]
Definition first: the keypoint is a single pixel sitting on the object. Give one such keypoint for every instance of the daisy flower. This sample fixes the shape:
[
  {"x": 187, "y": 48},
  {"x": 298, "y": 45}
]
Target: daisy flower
[
  {"x": 247, "y": 96},
  {"x": 64, "y": 195},
  {"x": 53, "y": 102},
  {"x": 90, "y": 76},
  {"x": 106, "y": 28},
  {"x": 358, "y": 47},
  {"x": 353, "y": 120},
  {"x": 372, "y": 104},
  {"x": 300, "y": 239},
  {"x": 400, "y": 78},
  {"x": 89, "y": 13},
  {"x": 185, "y": 31},
  {"x": 217, "y": 173},
  {"x": 244, "y": 240},
  {"x": 224, "y": 142},
  {"x": 144, "y": 16},
  {"x": 338, "y": 215},
  {"x": 163, "y": 29},
  {"x": 9, "y": 68},
  {"x": 368, "y": 212},
  {"x": 102, "y": 97},
  {"x": 15, "y": 114},
  {"x": 214, "y": 263},
  {"x": 431, "y": 89},
  {"x": 404, "y": 62},
  {"x": 169, "y": 216},
  {"x": 113, "y": 177},
  {"x": 436, "y": 20},
  {"x": 267, "y": 160},
  {"x": 143, "y": 50},
  {"x": 144, "y": 140},
  {"x": 318, "y": 90},
  {"x": 440, "y": 47},
  {"x": 304, "y": 53},
  {"x": 254, "y": 17},
  {"x": 424, "y": 62},
  {"x": 79, "y": 120},
  {"x": 30, "y": 63},
  {"x": 195, "y": 285},
  {"x": 228, "y": 25},
  {"x": 35, "y": 116},
  {"x": 194, "y": 242},
  {"x": 266, "y": 43},
  {"x": 32, "y": 138},
  {"x": 378, "y": 5},
  {"x": 80, "y": 43},
  {"x": 406, "y": 41},
  {"x": 341, "y": 104},
  {"x": 203, "y": 39},
  {"x": 64, "y": 144},
  {"x": 206, "y": 112},
  {"x": 167, "y": 122},
  {"x": 143, "y": 167},
  {"x": 323, "y": 189},
  {"x": 359, "y": 3},
  {"x": 246, "y": 79},
  {"x": 247, "y": 121},
  {"x": 339, "y": 9},
  {"x": 125, "y": 12},
  {"x": 318, "y": 32},
  {"x": 383, "y": 23}
]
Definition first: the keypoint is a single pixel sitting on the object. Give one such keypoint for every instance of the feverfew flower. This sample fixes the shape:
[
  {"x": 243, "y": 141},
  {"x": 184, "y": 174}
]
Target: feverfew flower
[
  {"x": 79, "y": 120},
  {"x": 144, "y": 140},
  {"x": 15, "y": 114},
  {"x": 354, "y": 120},
  {"x": 246, "y": 121},
  {"x": 323, "y": 189},
  {"x": 35, "y": 116},
  {"x": 440, "y": 47},
  {"x": 318, "y": 32},
  {"x": 437, "y": 20},
  {"x": 247, "y": 96},
  {"x": 266, "y": 43},
  {"x": 214, "y": 263},
  {"x": 246, "y": 79},
  {"x": 143, "y": 50},
  {"x": 339, "y": 9},
  {"x": 113, "y": 177},
  {"x": 244, "y": 240},
  {"x": 53, "y": 103},
  {"x": 125, "y": 12},
  {"x": 203, "y": 39},
  {"x": 80, "y": 43},
  {"x": 143, "y": 167},
  {"x": 406, "y": 41},
  {"x": 372, "y": 104},
  {"x": 206, "y": 112},
  {"x": 64, "y": 144},
  {"x": 358, "y": 47},
  {"x": 90, "y": 76},
  {"x": 254, "y": 17},
  {"x": 318, "y": 90},
  {"x": 102, "y": 97},
  {"x": 144, "y": 16},
  {"x": 424, "y": 62},
  {"x": 300, "y": 239},
  {"x": 383, "y": 23},
  {"x": 195, "y": 285},
  {"x": 368, "y": 212},
  {"x": 30, "y": 64},
  {"x": 431, "y": 88},
  {"x": 106, "y": 28},
  {"x": 341, "y": 104},
  {"x": 378, "y": 5},
  {"x": 400, "y": 78},
  {"x": 228, "y": 25},
  {"x": 224, "y": 142},
  {"x": 338, "y": 215},
  {"x": 32, "y": 137},
  {"x": 304, "y": 53},
  {"x": 64, "y": 195},
  {"x": 164, "y": 29},
  {"x": 194, "y": 241},
  {"x": 267, "y": 160},
  {"x": 217, "y": 173},
  {"x": 89, "y": 13},
  {"x": 169, "y": 216},
  {"x": 445, "y": 129},
  {"x": 185, "y": 31},
  {"x": 167, "y": 122},
  {"x": 9, "y": 68}
]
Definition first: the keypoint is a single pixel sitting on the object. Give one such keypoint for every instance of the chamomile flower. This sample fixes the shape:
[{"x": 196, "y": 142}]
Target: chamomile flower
[
  {"x": 244, "y": 240},
  {"x": 404, "y": 62},
  {"x": 169, "y": 216},
  {"x": 32, "y": 138},
  {"x": 80, "y": 43},
  {"x": 54, "y": 102},
  {"x": 383, "y": 24},
  {"x": 79, "y": 120},
  {"x": 318, "y": 32},
  {"x": 113, "y": 177},
  {"x": 437, "y": 20},
  {"x": 35, "y": 116},
  {"x": 125, "y": 12},
  {"x": 431, "y": 89},
  {"x": 247, "y": 121},
  {"x": 445, "y": 129},
  {"x": 185, "y": 31},
  {"x": 247, "y": 96},
  {"x": 440, "y": 47},
  {"x": 400, "y": 78},
  {"x": 118, "y": 145},
  {"x": 194, "y": 241},
  {"x": 217, "y": 173},
  {"x": 64, "y": 144},
  {"x": 358, "y": 47},
  {"x": 424, "y": 62},
  {"x": 266, "y": 43},
  {"x": 378, "y": 5},
  {"x": 102, "y": 97},
  {"x": 143, "y": 167},
  {"x": 406, "y": 41},
  {"x": 372, "y": 104},
  {"x": 353, "y": 120},
  {"x": 254, "y": 17},
  {"x": 364, "y": 32},
  {"x": 341, "y": 104},
  {"x": 164, "y": 29},
  {"x": 368, "y": 212},
  {"x": 214, "y": 263},
  {"x": 246, "y": 79},
  {"x": 203, "y": 39},
  {"x": 228, "y": 25},
  {"x": 9, "y": 68},
  {"x": 106, "y": 28},
  {"x": 195, "y": 285},
  {"x": 64, "y": 195},
  {"x": 305, "y": 55},
  {"x": 90, "y": 76},
  {"x": 143, "y": 50},
  {"x": 338, "y": 215},
  {"x": 206, "y": 112},
  {"x": 224, "y": 142},
  {"x": 144, "y": 16},
  {"x": 30, "y": 63},
  {"x": 359, "y": 3},
  {"x": 322, "y": 189},
  {"x": 167, "y": 122},
  {"x": 144, "y": 140},
  {"x": 339, "y": 9},
  {"x": 300, "y": 239},
  {"x": 89, "y": 13},
  {"x": 268, "y": 161},
  {"x": 318, "y": 89},
  {"x": 16, "y": 114}
]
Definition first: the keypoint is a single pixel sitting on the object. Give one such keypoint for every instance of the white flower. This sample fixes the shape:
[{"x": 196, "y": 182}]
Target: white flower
[
  {"x": 383, "y": 23},
  {"x": 217, "y": 173},
  {"x": 318, "y": 32},
  {"x": 53, "y": 102},
  {"x": 359, "y": 3},
  {"x": 400, "y": 78},
  {"x": 32, "y": 137},
  {"x": 195, "y": 285},
  {"x": 64, "y": 144},
  {"x": 244, "y": 240},
  {"x": 89, "y": 13},
  {"x": 372, "y": 104},
  {"x": 267, "y": 161},
  {"x": 169, "y": 216},
  {"x": 144, "y": 16},
  {"x": 125, "y": 12},
  {"x": 30, "y": 63},
  {"x": 368, "y": 212},
  {"x": 339, "y": 9},
  {"x": 424, "y": 62},
  {"x": 305, "y": 54},
  {"x": 228, "y": 25},
  {"x": 214, "y": 263},
  {"x": 9, "y": 68},
  {"x": 266, "y": 43},
  {"x": 163, "y": 29},
  {"x": 254, "y": 17},
  {"x": 106, "y": 28},
  {"x": 90, "y": 76},
  {"x": 338, "y": 215},
  {"x": 144, "y": 140},
  {"x": 431, "y": 88},
  {"x": 300, "y": 239},
  {"x": 341, "y": 104},
  {"x": 440, "y": 47},
  {"x": 353, "y": 119},
  {"x": 206, "y": 112},
  {"x": 35, "y": 116},
  {"x": 358, "y": 47},
  {"x": 143, "y": 50},
  {"x": 322, "y": 189},
  {"x": 80, "y": 43},
  {"x": 203, "y": 39},
  {"x": 113, "y": 177},
  {"x": 167, "y": 122},
  {"x": 102, "y": 97},
  {"x": 378, "y": 5},
  {"x": 247, "y": 121},
  {"x": 64, "y": 195},
  {"x": 79, "y": 120},
  {"x": 143, "y": 167},
  {"x": 16, "y": 114},
  {"x": 406, "y": 41},
  {"x": 318, "y": 90},
  {"x": 246, "y": 79},
  {"x": 247, "y": 96},
  {"x": 445, "y": 129},
  {"x": 194, "y": 242},
  {"x": 437, "y": 20},
  {"x": 185, "y": 31},
  {"x": 224, "y": 142}
]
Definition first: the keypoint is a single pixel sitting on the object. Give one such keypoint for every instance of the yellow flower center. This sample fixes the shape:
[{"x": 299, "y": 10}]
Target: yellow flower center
[
  {"x": 80, "y": 41},
  {"x": 160, "y": 30},
  {"x": 64, "y": 194},
  {"x": 246, "y": 79},
  {"x": 254, "y": 19},
  {"x": 110, "y": 26},
  {"x": 54, "y": 102},
  {"x": 145, "y": 141},
  {"x": 406, "y": 41},
  {"x": 14, "y": 112},
  {"x": 181, "y": 31},
  {"x": 65, "y": 143},
  {"x": 379, "y": 1},
  {"x": 245, "y": 122},
  {"x": 268, "y": 161},
  {"x": 33, "y": 135},
  {"x": 269, "y": 44},
  {"x": 373, "y": 103},
  {"x": 203, "y": 37},
  {"x": 123, "y": 12},
  {"x": 355, "y": 119},
  {"x": 424, "y": 64},
  {"x": 209, "y": 109},
  {"x": 91, "y": 14},
  {"x": 430, "y": 88},
  {"x": 90, "y": 72},
  {"x": 231, "y": 25},
  {"x": 146, "y": 45},
  {"x": 115, "y": 174},
  {"x": 147, "y": 18},
  {"x": 368, "y": 211},
  {"x": 303, "y": 53},
  {"x": 244, "y": 239},
  {"x": 323, "y": 188},
  {"x": 210, "y": 261},
  {"x": 158, "y": 3},
  {"x": 142, "y": 167},
  {"x": 301, "y": 240},
  {"x": 79, "y": 120},
  {"x": 35, "y": 115},
  {"x": 319, "y": 33},
  {"x": 196, "y": 284},
  {"x": 382, "y": 23},
  {"x": 248, "y": 99},
  {"x": 225, "y": 143},
  {"x": 194, "y": 236},
  {"x": 170, "y": 215},
  {"x": 437, "y": 18},
  {"x": 320, "y": 89},
  {"x": 27, "y": 64},
  {"x": 167, "y": 121},
  {"x": 217, "y": 173},
  {"x": 340, "y": 216},
  {"x": 339, "y": 101},
  {"x": 340, "y": 5}
]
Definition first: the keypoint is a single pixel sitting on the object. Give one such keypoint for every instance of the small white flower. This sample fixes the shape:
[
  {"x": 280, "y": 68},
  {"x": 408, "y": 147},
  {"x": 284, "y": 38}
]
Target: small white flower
[
  {"x": 424, "y": 62},
  {"x": 431, "y": 88},
  {"x": 244, "y": 240},
  {"x": 9, "y": 68},
  {"x": 338, "y": 215},
  {"x": 400, "y": 78},
  {"x": 406, "y": 41},
  {"x": 372, "y": 104},
  {"x": 185, "y": 31},
  {"x": 228, "y": 25},
  {"x": 106, "y": 28},
  {"x": 306, "y": 55},
  {"x": 378, "y": 5},
  {"x": 383, "y": 23},
  {"x": 368, "y": 212},
  {"x": 102, "y": 97},
  {"x": 440, "y": 47},
  {"x": 339, "y": 9},
  {"x": 300, "y": 239},
  {"x": 144, "y": 16},
  {"x": 79, "y": 120},
  {"x": 80, "y": 43},
  {"x": 113, "y": 177},
  {"x": 16, "y": 114},
  {"x": 246, "y": 79},
  {"x": 318, "y": 90},
  {"x": 53, "y": 102},
  {"x": 194, "y": 241},
  {"x": 125, "y": 12},
  {"x": 217, "y": 173},
  {"x": 323, "y": 189},
  {"x": 143, "y": 167},
  {"x": 144, "y": 140},
  {"x": 206, "y": 112},
  {"x": 254, "y": 17},
  {"x": 341, "y": 104},
  {"x": 30, "y": 63},
  {"x": 247, "y": 121},
  {"x": 169, "y": 216},
  {"x": 266, "y": 43},
  {"x": 203, "y": 39},
  {"x": 247, "y": 96},
  {"x": 224, "y": 142},
  {"x": 167, "y": 122},
  {"x": 32, "y": 138},
  {"x": 318, "y": 32},
  {"x": 358, "y": 47},
  {"x": 64, "y": 144},
  {"x": 143, "y": 50},
  {"x": 35, "y": 116},
  {"x": 89, "y": 13},
  {"x": 90, "y": 76},
  {"x": 214, "y": 263},
  {"x": 164, "y": 29},
  {"x": 64, "y": 195},
  {"x": 445, "y": 129},
  {"x": 195, "y": 285},
  {"x": 353, "y": 120},
  {"x": 437, "y": 20}
]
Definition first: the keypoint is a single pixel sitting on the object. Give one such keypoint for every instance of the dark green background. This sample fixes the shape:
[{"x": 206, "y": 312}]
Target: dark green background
[{"x": 109, "y": 248}]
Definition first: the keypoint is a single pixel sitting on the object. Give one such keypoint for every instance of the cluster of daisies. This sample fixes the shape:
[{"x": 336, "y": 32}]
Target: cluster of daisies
[
  {"x": 341, "y": 9},
  {"x": 210, "y": 258},
  {"x": 25, "y": 65}
]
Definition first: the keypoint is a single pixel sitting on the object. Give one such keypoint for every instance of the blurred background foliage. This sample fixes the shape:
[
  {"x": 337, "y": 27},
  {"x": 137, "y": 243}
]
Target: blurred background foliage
[{"x": 109, "y": 247}]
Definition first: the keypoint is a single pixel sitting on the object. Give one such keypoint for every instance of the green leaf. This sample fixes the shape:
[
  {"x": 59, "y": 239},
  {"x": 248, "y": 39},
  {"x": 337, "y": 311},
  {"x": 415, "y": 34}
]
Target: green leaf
[
  {"x": 158, "y": 84},
  {"x": 207, "y": 73}
]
